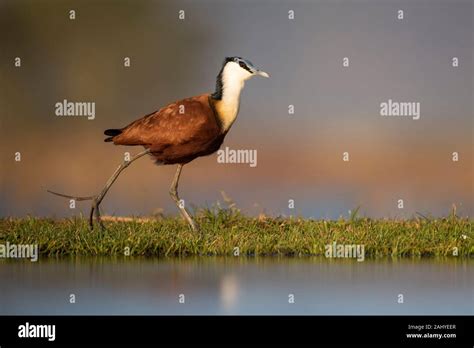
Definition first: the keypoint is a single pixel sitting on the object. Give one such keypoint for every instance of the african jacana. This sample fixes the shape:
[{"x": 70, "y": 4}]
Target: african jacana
[{"x": 183, "y": 130}]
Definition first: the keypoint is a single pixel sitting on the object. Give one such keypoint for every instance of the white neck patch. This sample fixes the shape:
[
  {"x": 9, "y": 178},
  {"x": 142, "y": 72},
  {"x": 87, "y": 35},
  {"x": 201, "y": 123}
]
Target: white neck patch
[{"x": 233, "y": 81}]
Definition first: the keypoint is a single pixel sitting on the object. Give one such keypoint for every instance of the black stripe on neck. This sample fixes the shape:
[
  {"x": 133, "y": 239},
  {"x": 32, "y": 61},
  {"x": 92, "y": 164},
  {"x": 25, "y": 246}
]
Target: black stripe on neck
[{"x": 217, "y": 95}]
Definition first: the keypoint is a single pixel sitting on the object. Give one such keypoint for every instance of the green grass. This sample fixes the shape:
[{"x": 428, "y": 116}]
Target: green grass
[{"x": 224, "y": 229}]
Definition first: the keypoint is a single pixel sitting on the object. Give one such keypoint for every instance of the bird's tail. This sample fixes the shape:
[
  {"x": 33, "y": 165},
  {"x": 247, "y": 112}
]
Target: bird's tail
[{"x": 112, "y": 133}]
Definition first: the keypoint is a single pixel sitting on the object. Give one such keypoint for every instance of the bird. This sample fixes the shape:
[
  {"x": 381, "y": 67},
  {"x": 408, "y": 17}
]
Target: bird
[{"x": 181, "y": 131}]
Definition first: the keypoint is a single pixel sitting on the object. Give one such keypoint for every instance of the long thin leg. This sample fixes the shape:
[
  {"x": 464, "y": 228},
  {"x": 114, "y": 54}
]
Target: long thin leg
[
  {"x": 174, "y": 195},
  {"x": 96, "y": 200}
]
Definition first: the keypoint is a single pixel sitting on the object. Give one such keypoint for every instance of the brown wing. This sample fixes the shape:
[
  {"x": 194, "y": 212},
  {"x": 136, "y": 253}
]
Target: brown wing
[
  {"x": 175, "y": 124},
  {"x": 184, "y": 129}
]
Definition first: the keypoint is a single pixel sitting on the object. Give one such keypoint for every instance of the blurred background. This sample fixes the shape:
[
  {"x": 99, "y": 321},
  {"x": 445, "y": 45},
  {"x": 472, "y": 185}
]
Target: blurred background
[{"x": 299, "y": 156}]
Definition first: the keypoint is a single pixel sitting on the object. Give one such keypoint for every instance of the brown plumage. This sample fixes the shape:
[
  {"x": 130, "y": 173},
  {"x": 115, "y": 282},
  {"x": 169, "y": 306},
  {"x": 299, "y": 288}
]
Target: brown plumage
[
  {"x": 177, "y": 133},
  {"x": 182, "y": 131}
]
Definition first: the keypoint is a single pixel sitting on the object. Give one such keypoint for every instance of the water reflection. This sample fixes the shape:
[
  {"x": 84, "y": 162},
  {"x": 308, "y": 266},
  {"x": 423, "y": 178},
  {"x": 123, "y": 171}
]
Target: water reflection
[
  {"x": 237, "y": 286},
  {"x": 229, "y": 292}
]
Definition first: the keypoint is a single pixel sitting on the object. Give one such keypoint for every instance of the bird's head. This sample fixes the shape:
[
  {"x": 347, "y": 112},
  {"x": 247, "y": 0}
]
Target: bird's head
[
  {"x": 240, "y": 69},
  {"x": 231, "y": 79}
]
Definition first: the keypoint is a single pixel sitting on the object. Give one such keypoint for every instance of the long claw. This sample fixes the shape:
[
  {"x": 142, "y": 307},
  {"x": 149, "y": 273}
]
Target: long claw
[
  {"x": 91, "y": 216},
  {"x": 77, "y": 198},
  {"x": 97, "y": 217},
  {"x": 97, "y": 199}
]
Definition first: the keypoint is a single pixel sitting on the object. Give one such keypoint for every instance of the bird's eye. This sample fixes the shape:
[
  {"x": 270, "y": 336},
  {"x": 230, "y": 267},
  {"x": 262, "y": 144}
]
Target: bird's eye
[{"x": 242, "y": 65}]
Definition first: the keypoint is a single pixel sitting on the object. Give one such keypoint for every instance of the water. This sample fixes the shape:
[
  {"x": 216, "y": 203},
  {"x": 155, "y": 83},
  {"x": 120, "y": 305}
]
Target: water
[{"x": 237, "y": 286}]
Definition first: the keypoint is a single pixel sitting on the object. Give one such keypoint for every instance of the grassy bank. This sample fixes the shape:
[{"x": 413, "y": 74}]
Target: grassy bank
[{"x": 223, "y": 230}]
